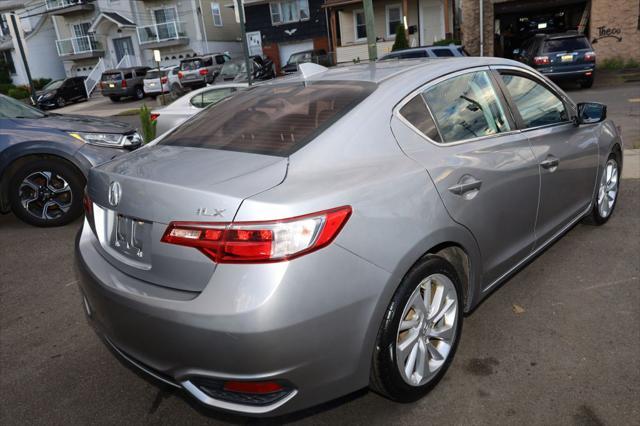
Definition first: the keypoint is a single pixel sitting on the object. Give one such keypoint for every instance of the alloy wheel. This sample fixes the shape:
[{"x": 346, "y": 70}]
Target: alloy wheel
[
  {"x": 60, "y": 101},
  {"x": 45, "y": 195},
  {"x": 427, "y": 329},
  {"x": 608, "y": 190}
]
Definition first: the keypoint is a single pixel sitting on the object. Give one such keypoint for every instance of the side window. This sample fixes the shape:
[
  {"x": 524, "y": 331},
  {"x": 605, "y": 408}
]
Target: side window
[
  {"x": 441, "y": 53},
  {"x": 128, "y": 75},
  {"x": 208, "y": 61},
  {"x": 219, "y": 59},
  {"x": 537, "y": 105},
  {"x": 415, "y": 112},
  {"x": 466, "y": 107},
  {"x": 210, "y": 97}
]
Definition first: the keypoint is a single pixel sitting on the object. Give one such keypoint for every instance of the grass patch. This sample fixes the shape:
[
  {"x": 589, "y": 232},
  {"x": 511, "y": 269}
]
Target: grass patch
[{"x": 618, "y": 63}]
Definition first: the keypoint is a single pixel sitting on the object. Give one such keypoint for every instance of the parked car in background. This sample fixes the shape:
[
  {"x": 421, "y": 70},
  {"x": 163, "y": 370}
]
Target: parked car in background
[
  {"x": 45, "y": 158},
  {"x": 560, "y": 57},
  {"x": 164, "y": 81},
  {"x": 236, "y": 69},
  {"x": 123, "y": 82},
  {"x": 192, "y": 103},
  {"x": 59, "y": 93},
  {"x": 307, "y": 238},
  {"x": 317, "y": 56},
  {"x": 201, "y": 70},
  {"x": 426, "y": 52}
]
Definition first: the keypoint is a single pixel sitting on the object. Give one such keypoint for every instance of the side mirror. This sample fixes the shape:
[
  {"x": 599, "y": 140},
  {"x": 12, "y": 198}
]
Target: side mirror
[{"x": 591, "y": 112}]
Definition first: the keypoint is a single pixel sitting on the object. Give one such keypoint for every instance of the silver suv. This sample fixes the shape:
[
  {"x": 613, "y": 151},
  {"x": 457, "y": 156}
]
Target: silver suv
[{"x": 201, "y": 70}]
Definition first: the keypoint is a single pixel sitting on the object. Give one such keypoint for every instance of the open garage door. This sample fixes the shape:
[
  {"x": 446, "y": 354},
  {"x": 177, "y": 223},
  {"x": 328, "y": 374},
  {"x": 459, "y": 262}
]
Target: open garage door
[{"x": 517, "y": 21}]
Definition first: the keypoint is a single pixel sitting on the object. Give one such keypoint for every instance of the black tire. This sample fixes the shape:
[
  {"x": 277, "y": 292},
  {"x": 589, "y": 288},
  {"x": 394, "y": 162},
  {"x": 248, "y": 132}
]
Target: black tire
[
  {"x": 595, "y": 217},
  {"x": 58, "y": 168},
  {"x": 587, "y": 83},
  {"x": 60, "y": 102},
  {"x": 385, "y": 376},
  {"x": 139, "y": 94},
  {"x": 114, "y": 98},
  {"x": 175, "y": 88}
]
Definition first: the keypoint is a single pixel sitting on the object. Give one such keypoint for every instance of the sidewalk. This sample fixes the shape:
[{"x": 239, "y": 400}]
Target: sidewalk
[{"x": 102, "y": 106}]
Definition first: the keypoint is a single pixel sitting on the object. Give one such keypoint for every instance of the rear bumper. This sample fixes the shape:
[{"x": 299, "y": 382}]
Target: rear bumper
[
  {"x": 129, "y": 91},
  {"x": 587, "y": 72},
  {"x": 252, "y": 322}
]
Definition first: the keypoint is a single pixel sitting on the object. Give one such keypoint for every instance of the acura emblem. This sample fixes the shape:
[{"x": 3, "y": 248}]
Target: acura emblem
[{"x": 115, "y": 193}]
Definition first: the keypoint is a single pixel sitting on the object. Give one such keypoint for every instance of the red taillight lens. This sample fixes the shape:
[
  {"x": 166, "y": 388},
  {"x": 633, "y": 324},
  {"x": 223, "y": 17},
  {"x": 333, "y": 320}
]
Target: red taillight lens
[
  {"x": 124, "y": 83},
  {"x": 590, "y": 57},
  {"x": 541, "y": 60},
  {"x": 180, "y": 75},
  {"x": 259, "y": 242},
  {"x": 253, "y": 387},
  {"x": 164, "y": 80},
  {"x": 154, "y": 116},
  {"x": 203, "y": 72}
]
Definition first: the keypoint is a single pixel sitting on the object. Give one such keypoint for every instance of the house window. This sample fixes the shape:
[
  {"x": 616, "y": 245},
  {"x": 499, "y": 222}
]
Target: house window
[
  {"x": 4, "y": 26},
  {"x": 286, "y": 11},
  {"x": 81, "y": 30},
  {"x": 165, "y": 15},
  {"x": 359, "y": 24},
  {"x": 217, "y": 16},
  {"x": 393, "y": 18}
]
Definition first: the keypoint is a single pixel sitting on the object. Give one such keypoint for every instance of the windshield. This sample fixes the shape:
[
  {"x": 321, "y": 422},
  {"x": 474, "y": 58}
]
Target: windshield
[
  {"x": 11, "y": 108},
  {"x": 272, "y": 120},
  {"x": 566, "y": 44},
  {"x": 53, "y": 85},
  {"x": 299, "y": 57},
  {"x": 193, "y": 64}
]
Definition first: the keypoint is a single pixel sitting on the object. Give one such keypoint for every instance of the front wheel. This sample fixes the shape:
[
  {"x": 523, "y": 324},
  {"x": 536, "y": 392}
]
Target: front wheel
[
  {"x": 420, "y": 332},
  {"x": 46, "y": 193},
  {"x": 60, "y": 102},
  {"x": 607, "y": 193},
  {"x": 587, "y": 83},
  {"x": 139, "y": 95}
]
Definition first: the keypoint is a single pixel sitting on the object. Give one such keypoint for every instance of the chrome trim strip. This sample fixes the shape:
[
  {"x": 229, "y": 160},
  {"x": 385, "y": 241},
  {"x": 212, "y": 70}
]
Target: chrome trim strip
[
  {"x": 138, "y": 365},
  {"x": 539, "y": 249},
  {"x": 207, "y": 400},
  {"x": 568, "y": 72}
]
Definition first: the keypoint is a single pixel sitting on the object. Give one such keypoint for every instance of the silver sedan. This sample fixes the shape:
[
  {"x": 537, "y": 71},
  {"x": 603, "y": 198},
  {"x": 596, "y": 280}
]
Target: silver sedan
[{"x": 328, "y": 232}]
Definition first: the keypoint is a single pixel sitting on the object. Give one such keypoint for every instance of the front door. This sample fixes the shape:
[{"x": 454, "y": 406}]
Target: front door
[
  {"x": 431, "y": 21},
  {"x": 567, "y": 154},
  {"x": 123, "y": 47},
  {"x": 485, "y": 171}
]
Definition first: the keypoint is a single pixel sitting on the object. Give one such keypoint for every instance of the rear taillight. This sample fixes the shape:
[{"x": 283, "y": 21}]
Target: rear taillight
[
  {"x": 541, "y": 60},
  {"x": 154, "y": 116},
  {"x": 259, "y": 242},
  {"x": 590, "y": 57},
  {"x": 203, "y": 71},
  {"x": 124, "y": 84},
  {"x": 164, "y": 80},
  {"x": 180, "y": 75}
]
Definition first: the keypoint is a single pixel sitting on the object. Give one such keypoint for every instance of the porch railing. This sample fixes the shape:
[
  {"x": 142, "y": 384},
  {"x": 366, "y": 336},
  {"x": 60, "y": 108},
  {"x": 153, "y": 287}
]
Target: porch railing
[
  {"x": 76, "y": 45},
  {"x": 58, "y": 4},
  {"x": 161, "y": 32}
]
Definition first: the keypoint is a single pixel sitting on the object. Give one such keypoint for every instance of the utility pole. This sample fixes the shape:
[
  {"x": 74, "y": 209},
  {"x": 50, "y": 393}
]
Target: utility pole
[
  {"x": 369, "y": 20},
  {"x": 243, "y": 38},
  {"x": 16, "y": 32}
]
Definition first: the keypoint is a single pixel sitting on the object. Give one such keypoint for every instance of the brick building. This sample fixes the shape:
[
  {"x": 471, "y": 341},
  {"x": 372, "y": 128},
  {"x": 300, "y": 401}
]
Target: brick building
[{"x": 613, "y": 26}]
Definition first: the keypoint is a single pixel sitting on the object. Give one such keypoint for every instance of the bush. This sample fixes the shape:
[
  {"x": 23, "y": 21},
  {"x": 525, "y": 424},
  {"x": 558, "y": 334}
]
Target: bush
[
  {"x": 401, "y": 39},
  {"x": 447, "y": 41},
  {"x": 39, "y": 83},
  {"x": 148, "y": 125},
  {"x": 5, "y": 87},
  {"x": 618, "y": 63},
  {"x": 19, "y": 92},
  {"x": 632, "y": 63}
]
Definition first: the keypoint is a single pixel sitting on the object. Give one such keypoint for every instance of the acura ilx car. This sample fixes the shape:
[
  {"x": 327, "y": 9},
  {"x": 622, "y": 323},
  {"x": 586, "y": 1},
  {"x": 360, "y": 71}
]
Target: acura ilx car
[{"x": 313, "y": 236}]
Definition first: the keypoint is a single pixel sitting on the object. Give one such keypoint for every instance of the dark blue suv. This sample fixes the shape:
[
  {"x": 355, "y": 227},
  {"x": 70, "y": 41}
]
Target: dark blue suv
[{"x": 560, "y": 57}]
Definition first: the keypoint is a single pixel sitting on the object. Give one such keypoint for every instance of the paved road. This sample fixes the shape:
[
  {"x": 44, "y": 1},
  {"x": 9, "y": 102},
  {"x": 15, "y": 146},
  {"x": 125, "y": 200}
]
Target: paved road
[{"x": 570, "y": 358}]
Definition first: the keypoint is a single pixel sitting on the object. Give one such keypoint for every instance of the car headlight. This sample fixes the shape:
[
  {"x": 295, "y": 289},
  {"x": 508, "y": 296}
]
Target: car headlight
[
  {"x": 114, "y": 140},
  {"x": 48, "y": 95}
]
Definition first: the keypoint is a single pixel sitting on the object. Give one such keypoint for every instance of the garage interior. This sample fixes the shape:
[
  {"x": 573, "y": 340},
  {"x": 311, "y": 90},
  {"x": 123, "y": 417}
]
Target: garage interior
[{"x": 517, "y": 21}]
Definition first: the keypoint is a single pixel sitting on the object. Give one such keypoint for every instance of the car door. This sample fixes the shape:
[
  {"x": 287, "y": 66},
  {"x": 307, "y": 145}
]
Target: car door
[
  {"x": 567, "y": 154},
  {"x": 460, "y": 129}
]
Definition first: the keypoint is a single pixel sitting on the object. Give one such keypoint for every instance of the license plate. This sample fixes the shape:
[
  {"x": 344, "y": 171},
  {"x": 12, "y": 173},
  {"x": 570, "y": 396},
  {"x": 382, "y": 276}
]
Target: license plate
[
  {"x": 131, "y": 237},
  {"x": 566, "y": 58},
  {"x": 112, "y": 85},
  {"x": 152, "y": 84}
]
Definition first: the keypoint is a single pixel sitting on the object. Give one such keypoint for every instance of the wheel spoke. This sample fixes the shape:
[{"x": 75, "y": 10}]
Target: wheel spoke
[
  {"x": 406, "y": 345},
  {"x": 408, "y": 324},
  {"x": 411, "y": 361},
  {"x": 422, "y": 360},
  {"x": 444, "y": 332},
  {"x": 434, "y": 352},
  {"x": 417, "y": 303},
  {"x": 436, "y": 302}
]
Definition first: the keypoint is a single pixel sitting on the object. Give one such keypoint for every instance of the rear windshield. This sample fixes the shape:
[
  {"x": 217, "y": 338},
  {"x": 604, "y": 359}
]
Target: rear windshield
[
  {"x": 112, "y": 76},
  {"x": 193, "y": 64},
  {"x": 272, "y": 120},
  {"x": 566, "y": 44},
  {"x": 154, "y": 74}
]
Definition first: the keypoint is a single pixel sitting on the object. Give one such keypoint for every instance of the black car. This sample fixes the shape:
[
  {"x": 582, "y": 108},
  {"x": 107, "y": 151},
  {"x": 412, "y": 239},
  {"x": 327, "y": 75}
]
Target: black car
[
  {"x": 58, "y": 93},
  {"x": 236, "y": 69},
  {"x": 45, "y": 159},
  {"x": 317, "y": 56},
  {"x": 560, "y": 56}
]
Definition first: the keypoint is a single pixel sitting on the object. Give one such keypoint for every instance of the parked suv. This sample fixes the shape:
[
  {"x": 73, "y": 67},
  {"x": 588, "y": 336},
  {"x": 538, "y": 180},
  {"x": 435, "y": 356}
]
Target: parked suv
[
  {"x": 427, "y": 52},
  {"x": 123, "y": 82},
  {"x": 58, "y": 93},
  {"x": 164, "y": 81},
  {"x": 198, "y": 71},
  {"x": 560, "y": 56}
]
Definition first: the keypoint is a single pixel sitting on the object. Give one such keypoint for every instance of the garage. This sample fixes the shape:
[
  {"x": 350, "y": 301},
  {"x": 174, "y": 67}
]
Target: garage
[{"x": 287, "y": 49}]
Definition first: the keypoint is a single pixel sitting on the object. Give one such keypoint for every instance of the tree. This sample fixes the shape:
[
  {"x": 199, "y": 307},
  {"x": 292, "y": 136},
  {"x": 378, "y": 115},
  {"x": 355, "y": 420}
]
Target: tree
[{"x": 401, "y": 39}]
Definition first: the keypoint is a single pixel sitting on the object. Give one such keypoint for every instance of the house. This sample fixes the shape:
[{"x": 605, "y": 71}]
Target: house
[
  {"x": 279, "y": 28},
  {"x": 426, "y": 22},
  {"x": 38, "y": 39}
]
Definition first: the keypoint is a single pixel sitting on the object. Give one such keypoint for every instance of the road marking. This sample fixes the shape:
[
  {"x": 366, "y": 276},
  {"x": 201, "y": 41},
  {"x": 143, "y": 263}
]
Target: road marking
[{"x": 634, "y": 100}]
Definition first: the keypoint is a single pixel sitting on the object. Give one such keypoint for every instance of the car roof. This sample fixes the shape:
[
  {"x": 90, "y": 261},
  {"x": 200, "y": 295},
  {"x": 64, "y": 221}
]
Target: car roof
[
  {"x": 377, "y": 72},
  {"x": 124, "y": 69}
]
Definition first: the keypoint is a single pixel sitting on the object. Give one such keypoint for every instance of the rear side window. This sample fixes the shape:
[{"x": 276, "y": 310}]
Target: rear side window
[
  {"x": 415, "y": 112},
  {"x": 565, "y": 44},
  {"x": 220, "y": 59},
  {"x": 273, "y": 120},
  {"x": 128, "y": 75},
  {"x": 192, "y": 64},
  {"x": 537, "y": 105},
  {"x": 112, "y": 76},
  {"x": 466, "y": 107},
  {"x": 211, "y": 97},
  {"x": 441, "y": 53}
]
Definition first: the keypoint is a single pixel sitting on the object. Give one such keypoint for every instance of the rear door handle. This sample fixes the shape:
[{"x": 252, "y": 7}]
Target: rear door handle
[
  {"x": 550, "y": 163},
  {"x": 467, "y": 184}
]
